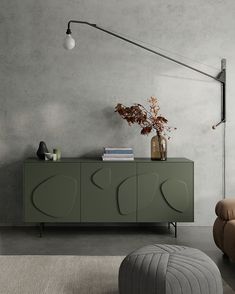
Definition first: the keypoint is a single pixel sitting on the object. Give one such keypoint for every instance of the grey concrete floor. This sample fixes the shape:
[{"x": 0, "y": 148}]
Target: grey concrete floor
[{"x": 109, "y": 241}]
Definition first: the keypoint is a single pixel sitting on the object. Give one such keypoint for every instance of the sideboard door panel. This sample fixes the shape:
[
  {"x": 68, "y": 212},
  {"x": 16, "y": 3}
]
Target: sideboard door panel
[
  {"x": 108, "y": 192},
  {"x": 52, "y": 192},
  {"x": 49, "y": 196},
  {"x": 165, "y": 192}
]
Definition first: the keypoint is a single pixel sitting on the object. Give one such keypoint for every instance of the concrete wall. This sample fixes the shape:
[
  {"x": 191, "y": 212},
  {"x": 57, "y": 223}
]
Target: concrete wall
[{"x": 67, "y": 98}]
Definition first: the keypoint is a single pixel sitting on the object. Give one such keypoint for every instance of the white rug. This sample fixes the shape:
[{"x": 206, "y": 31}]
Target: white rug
[{"x": 51, "y": 274}]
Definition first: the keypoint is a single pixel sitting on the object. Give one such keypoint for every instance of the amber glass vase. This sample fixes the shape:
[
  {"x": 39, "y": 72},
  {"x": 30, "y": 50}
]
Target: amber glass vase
[{"x": 158, "y": 147}]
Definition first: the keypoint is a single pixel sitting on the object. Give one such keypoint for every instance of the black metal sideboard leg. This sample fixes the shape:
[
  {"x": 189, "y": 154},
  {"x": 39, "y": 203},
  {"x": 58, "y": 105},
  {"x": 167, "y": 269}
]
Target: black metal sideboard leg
[
  {"x": 175, "y": 229},
  {"x": 41, "y": 228},
  {"x": 174, "y": 224}
]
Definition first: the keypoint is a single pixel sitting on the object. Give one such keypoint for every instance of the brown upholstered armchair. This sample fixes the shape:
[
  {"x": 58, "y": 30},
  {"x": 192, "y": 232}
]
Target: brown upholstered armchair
[{"x": 224, "y": 227}]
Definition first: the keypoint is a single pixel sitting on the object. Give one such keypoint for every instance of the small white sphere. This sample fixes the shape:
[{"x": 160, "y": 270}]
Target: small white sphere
[{"x": 69, "y": 42}]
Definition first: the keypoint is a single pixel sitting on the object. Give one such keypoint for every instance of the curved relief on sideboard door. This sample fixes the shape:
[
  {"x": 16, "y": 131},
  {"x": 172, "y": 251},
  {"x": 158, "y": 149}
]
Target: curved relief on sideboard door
[
  {"x": 102, "y": 178},
  {"x": 127, "y": 196},
  {"x": 147, "y": 189},
  {"x": 176, "y": 194},
  {"x": 55, "y": 196}
]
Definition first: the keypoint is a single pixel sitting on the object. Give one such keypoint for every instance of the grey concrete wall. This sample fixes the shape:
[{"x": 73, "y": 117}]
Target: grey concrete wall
[{"x": 67, "y": 98}]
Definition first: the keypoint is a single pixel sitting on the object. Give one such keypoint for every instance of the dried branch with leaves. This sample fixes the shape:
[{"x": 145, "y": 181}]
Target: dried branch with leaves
[{"x": 149, "y": 120}]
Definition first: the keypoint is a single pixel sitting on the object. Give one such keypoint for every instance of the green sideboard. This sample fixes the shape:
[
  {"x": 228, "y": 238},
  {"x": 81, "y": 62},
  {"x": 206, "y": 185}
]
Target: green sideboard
[{"x": 90, "y": 190}]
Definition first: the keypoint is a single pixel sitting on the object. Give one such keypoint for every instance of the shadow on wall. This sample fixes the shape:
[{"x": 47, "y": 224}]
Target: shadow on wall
[
  {"x": 112, "y": 129},
  {"x": 11, "y": 189},
  {"x": 120, "y": 131}
]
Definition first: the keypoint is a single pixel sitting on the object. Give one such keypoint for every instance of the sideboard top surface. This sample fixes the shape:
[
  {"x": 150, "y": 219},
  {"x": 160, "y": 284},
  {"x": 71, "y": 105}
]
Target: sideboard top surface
[{"x": 99, "y": 159}]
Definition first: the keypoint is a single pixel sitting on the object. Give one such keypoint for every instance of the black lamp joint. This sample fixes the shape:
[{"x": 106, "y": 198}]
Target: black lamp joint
[{"x": 68, "y": 32}]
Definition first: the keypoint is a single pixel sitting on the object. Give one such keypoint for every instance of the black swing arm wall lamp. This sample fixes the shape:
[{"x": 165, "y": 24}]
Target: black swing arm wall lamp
[{"x": 221, "y": 77}]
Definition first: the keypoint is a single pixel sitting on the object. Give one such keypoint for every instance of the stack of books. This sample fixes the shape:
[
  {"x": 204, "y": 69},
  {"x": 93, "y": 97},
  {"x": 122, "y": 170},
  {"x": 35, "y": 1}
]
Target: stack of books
[{"x": 114, "y": 154}]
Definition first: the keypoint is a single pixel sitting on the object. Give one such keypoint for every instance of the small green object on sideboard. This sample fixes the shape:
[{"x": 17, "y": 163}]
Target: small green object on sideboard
[{"x": 89, "y": 190}]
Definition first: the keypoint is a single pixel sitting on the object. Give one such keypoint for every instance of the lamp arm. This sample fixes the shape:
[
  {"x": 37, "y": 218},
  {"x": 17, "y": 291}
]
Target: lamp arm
[{"x": 221, "y": 77}]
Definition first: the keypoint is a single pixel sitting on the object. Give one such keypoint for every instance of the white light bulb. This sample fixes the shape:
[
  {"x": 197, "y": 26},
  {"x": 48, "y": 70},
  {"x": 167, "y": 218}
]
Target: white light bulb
[{"x": 69, "y": 42}]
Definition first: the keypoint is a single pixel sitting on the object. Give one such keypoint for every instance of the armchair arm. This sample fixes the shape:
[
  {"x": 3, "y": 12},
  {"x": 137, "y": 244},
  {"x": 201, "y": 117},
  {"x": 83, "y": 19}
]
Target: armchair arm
[{"x": 225, "y": 209}]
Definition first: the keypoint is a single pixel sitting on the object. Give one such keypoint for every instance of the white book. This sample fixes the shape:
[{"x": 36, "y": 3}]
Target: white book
[
  {"x": 118, "y": 148},
  {"x": 117, "y": 158}
]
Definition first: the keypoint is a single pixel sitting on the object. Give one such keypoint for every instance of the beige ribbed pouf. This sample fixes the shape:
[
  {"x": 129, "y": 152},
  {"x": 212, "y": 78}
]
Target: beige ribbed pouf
[{"x": 169, "y": 269}]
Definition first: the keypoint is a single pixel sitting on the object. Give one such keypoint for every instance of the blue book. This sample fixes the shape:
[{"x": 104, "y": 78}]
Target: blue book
[{"x": 116, "y": 151}]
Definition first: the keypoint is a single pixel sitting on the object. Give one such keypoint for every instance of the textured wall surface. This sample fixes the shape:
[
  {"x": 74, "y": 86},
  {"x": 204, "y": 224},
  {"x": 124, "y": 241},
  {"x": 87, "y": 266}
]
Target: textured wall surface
[{"x": 67, "y": 98}]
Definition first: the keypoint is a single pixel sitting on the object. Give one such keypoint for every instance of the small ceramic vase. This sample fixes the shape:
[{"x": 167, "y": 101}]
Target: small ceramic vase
[{"x": 42, "y": 149}]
